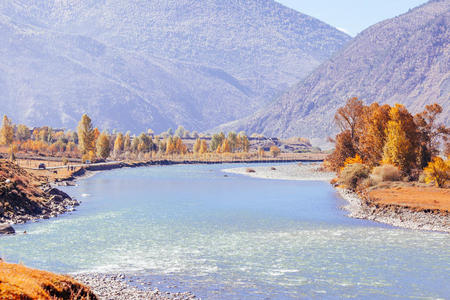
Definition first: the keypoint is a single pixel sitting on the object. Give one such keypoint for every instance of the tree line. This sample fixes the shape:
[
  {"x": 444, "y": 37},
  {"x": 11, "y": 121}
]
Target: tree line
[
  {"x": 376, "y": 135},
  {"x": 88, "y": 143}
]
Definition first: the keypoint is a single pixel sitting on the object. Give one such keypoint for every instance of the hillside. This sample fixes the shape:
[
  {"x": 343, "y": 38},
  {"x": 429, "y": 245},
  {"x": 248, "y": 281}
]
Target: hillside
[
  {"x": 24, "y": 196},
  {"x": 153, "y": 64},
  {"x": 20, "y": 282},
  {"x": 401, "y": 60}
]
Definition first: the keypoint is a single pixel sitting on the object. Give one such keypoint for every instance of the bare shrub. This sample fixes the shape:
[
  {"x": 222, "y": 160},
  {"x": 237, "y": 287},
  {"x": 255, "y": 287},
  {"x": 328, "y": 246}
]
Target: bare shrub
[
  {"x": 386, "y": 173},
  {"x": 352, "y": 175}
]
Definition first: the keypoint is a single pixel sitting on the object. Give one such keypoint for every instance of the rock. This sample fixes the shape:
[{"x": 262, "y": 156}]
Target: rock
[
  {"x": 7, "y": 229},
  {"x": 54, "y": 191}
]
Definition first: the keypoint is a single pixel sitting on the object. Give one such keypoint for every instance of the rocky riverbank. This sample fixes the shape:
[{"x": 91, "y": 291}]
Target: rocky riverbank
[
  {"x": 120, "y": 287},
  {"x": 25, "y": 197},
  {"x": 394, "y": 215}
]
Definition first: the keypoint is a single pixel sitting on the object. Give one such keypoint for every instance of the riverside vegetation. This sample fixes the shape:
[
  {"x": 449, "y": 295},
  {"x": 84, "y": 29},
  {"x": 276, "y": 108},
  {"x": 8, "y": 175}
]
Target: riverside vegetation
[
  {"x": 89, "y": 144},
  {"x": 392, "y": 159}
]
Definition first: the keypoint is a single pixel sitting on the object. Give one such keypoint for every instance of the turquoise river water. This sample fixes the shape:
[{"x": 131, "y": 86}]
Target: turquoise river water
[{"x": 232, "y": 237}]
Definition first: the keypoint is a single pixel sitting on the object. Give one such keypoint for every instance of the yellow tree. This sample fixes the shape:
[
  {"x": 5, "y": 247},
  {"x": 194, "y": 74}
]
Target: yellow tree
[
  {"x": 6, "y": 132},
  {"x": 261, "y": 152},
  {"x": 197, "y": 146},
  {"x": 170, "y": 147},
  {"x": 119, "y": 143},
  {"x": 86, "y": 135},
  {"x": 437, "y": 171},
  {"x": 226, "y": 147},
  {"x": 245, "y": 144},
  {"x": 102, "y": 145},
  {"x": 23, "y": 132},
  {"x": 275, "y": 151},
  {"x": 127, "y": 142},
  {"x": 400, "y": 149},
  {"x": 373, "y": 134},
  {"x": 203, "y": 147}
]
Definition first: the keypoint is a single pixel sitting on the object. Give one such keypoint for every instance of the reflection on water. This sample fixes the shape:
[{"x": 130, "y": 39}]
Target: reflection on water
[{"x": 232, "y": 237}]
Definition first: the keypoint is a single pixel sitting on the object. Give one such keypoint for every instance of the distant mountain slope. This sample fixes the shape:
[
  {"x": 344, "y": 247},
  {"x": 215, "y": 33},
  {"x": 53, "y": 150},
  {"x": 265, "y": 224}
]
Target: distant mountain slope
[
  {"x": 405, "y": 60},
  {"x": 153, "y": 63}
]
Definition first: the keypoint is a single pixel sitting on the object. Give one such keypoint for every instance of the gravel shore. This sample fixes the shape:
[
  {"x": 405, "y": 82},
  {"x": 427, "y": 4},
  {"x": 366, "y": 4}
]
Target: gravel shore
[
  {"x": 395, "y": 216},
  {"x": 308, "y": 172},
  {"x": 120, "y": 287}
]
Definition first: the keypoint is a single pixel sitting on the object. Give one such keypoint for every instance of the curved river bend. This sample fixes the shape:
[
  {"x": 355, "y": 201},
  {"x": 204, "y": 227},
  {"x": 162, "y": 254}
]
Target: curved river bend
[{"x": 232, "y": 237}]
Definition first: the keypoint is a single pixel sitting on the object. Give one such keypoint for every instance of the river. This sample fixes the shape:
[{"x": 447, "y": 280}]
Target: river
[{"x": 191, "y": 228}]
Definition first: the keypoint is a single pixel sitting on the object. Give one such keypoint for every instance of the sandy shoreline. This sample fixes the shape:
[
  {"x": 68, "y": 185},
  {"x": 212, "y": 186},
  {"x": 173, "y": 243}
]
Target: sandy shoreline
[{"x": 357, "y": 208}]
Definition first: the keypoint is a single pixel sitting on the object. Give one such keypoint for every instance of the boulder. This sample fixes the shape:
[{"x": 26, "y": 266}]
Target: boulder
[
  {"x": 55, "y": 191},
  {"x": 6, "y": 229}
]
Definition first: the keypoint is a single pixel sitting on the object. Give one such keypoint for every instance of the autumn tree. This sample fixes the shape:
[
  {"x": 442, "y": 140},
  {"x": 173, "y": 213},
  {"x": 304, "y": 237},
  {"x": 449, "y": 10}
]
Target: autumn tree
[
  {"x": 179, "y": 132},
  {"x": 86, "y": 135},
  {"x": 372, "y": 137},
  {"x": 437, "y": 171},
  {"x": 203, "y": 147},
  {"x": 226, "y": 147},
  {"x": 134, "y": 144},
  {"x": 119, "y": 143},
  {"x": 401, "y": 136},
  {"x": 261, "y": 152},
  {"x": 197, "y": 146},
  {"x": 275, "y": 151},
  {"x": 23, "y": 133},
  {"x": 103, "y": 146},
  {"x": 145, "y": 143},
  {"x": 127, "y": 141},
  {"x": 344, "y": 148},
  {"x": 348, "y": 117},
  {"x": 233, "y": 140},
  {"x": 430, "y": 133},
  {"x": 6, "y": 132},
  {"x": 217, "y": 141}
]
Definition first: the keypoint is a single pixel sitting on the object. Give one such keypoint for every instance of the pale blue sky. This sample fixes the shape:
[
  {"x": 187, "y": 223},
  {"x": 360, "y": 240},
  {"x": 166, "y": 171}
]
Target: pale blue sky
[{"x": 352, "y": 16}]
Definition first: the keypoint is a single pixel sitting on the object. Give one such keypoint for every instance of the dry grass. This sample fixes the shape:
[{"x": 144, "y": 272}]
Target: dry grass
[
  {"x": 386, "y": 173},
  {"x": 416, "y": 197},
  {"x": 20, "y": 282}
]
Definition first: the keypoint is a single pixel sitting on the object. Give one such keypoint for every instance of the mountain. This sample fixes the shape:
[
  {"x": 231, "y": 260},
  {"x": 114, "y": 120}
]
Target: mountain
[
  {"x": 402, "y": 60},
  {"x": 153, "y": 63}
]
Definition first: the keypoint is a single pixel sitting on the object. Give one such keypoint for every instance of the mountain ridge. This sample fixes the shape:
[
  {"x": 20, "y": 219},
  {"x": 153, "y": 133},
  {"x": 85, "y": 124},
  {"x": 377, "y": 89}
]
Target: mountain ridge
[
  {"x": 171, "y": 62},
  {"x": 404, "y": 59}
]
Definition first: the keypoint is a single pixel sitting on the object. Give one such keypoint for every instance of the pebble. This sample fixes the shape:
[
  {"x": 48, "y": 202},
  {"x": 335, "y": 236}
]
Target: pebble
[{"x": 114, "y": 286}]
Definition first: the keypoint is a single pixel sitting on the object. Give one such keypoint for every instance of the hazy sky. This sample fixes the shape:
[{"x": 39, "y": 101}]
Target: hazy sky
[{"x": 352, "y": 16}]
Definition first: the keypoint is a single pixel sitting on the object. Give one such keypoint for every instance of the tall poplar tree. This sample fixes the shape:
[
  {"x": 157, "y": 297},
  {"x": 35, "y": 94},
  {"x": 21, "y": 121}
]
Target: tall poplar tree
[
  {"x": 86, "y": 135},
  {"x": 6, "y": 132}
]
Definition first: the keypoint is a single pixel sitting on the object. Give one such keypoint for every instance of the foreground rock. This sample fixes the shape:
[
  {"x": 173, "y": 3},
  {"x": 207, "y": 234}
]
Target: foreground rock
[
  {"x": 6, "y": 229},
  {"x": 115, "y": 286},
  {"x": 25, "y": 197}
]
